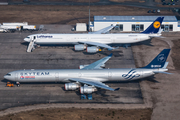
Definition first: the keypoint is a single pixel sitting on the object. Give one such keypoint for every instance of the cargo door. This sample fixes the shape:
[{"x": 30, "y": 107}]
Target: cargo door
[{"x": 16, "y": 76}]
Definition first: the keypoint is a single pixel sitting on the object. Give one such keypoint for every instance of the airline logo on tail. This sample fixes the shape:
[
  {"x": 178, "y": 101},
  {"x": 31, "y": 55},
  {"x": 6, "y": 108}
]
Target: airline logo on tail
[
  {"x": 157, "y": 24},
  {"x": 161, "y": 58}
]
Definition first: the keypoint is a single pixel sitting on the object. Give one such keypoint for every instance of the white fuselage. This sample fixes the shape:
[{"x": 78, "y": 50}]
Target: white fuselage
[
  {"x": 63, "y": 75},
  {"x": 99, "y": 38}
]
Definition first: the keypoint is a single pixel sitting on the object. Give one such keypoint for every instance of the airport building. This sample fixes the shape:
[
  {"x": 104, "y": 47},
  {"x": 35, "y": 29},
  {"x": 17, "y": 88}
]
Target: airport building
[{"x": 133, "y": 23}]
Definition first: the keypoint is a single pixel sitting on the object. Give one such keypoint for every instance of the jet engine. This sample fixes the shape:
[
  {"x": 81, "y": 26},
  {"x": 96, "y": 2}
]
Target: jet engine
[
  {"x": 87, "y": 89},
  {"x": 79, "y": 47},
  {"x": 71, "y": 86},
  {"x": 92, "y": 49}
]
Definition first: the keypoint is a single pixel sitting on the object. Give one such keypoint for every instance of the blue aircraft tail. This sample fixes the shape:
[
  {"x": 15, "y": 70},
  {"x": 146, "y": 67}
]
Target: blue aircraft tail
[
  {"x": 154, "y": 27},
  {"x": 159, "y": 60}
]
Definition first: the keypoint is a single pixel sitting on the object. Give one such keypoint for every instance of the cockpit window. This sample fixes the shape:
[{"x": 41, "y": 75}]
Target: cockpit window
[
  {"x": 28, "y": 37},
  {"x": 8, "y": 74}
]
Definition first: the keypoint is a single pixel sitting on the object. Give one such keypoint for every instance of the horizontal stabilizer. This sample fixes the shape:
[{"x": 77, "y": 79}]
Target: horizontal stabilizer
[
  {"x": 165, "y": 65},
  {"x": 116, "y": 89},
  {"x": 152, "y": 36},
  {"x": 160, "y": 30},
  {"x": 161, "y": 72}
]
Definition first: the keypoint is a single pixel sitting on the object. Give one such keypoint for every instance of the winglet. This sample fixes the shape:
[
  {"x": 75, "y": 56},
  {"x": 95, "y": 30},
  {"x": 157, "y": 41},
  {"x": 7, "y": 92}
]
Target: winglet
[
  {"x": 116, "y": 89},
  {"x": 110, "y": 55}
]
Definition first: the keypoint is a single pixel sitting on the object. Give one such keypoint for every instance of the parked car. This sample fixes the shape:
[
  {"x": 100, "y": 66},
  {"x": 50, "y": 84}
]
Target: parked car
[
  {"x": 164, "y": 3},
  {"x": 149, "y": 11},
  {"x": 158, "y": 11},
  {"x": 154, "y": 11}
]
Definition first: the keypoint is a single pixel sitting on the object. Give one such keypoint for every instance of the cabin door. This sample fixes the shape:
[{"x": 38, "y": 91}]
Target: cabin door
[{"x": 56, "y": 76}]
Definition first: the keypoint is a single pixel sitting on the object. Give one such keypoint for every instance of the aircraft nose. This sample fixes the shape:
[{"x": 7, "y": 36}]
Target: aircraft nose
[
  {"x": 8, "y": 76},
  {"x": 26, "y": 39},
  {"x": 5, "y": 77}
]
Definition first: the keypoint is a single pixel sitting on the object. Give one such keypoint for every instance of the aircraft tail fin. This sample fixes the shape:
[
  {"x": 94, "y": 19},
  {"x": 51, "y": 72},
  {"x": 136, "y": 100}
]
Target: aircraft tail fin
[
  {"x": 159, "y": 61},
  {"x": 154, "y": 27}
]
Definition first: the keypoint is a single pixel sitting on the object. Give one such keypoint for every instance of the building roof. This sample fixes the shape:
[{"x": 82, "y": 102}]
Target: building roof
[{"x": 133, "y": 18}]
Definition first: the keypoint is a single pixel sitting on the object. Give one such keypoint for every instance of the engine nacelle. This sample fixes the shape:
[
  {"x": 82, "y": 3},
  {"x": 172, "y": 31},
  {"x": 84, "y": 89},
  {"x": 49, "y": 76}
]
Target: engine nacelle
[
  {"x": 71, "y": 86},
  {"x": 87, "y": 89},
  {"x": 92, "y": 49},
  {"x": 79, "y": 47},
  {"x": 82, "y": 66}
]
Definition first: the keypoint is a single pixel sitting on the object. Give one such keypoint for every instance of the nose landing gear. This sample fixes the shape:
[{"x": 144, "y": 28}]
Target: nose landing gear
[{"x": 18, "y": 84}]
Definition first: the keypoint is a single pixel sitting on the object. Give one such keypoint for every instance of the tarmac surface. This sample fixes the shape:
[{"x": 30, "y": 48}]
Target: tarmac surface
[
  {"x": 141, "y": 3},
  {"x": 13, "y": 56}
]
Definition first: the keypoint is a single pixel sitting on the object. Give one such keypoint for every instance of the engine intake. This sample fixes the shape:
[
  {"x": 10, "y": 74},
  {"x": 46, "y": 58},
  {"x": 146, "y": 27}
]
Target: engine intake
[
  {"x": 87, "y": 89},
  {"x": 79, "y": 47},
  {"x": 92, "y": 49},
  {"x": 71, "y": 86}
]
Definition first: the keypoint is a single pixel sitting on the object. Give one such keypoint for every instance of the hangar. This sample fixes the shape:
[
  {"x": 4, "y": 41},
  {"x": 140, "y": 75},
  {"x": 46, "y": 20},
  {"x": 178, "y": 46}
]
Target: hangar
[{"x": 133, "y": 23}]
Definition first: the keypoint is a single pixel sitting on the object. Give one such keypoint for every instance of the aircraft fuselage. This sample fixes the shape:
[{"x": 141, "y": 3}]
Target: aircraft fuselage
[
  {"x": 62, "y": 75},
  {"x": 76, "y": 38}
]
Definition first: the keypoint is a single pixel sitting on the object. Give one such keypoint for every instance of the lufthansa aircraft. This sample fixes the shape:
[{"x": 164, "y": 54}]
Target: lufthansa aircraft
[
  {"x": 94, "y": 40},
  {"x": 90, "y": 77}
]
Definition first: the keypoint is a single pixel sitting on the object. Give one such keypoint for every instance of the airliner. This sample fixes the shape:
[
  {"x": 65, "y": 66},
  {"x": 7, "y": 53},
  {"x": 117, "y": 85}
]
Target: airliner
[
  {"x": 90, "y": 77},
  {"x": 93, "y": 41}
]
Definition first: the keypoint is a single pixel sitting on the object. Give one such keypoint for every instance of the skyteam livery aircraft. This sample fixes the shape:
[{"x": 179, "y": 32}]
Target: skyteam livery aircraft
[
  {"x": 95, "y": 40},
  {"x": 90, "y": 77}
]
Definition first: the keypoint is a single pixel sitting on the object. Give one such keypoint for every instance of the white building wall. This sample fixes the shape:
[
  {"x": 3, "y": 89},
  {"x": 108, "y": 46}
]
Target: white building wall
[
  {"x": 127, "y": 26},
  {"x": 178, "y": 28}
]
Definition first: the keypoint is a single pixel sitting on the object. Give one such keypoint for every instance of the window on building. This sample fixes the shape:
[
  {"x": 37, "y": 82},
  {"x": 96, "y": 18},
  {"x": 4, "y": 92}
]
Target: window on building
[
  {"x": 137, "y": 27},
  {"x": 118, "y": 27},
  {"x": 170, "y": 27},
  {"x": 162, "y": 27},
  {"x": 141, "y": 27},
  {"x": 133, "y": 27},
  {"x": 167, "y": 27}
]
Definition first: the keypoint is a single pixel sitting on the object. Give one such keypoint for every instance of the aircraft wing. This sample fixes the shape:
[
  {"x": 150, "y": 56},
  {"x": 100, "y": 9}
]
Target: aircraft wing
[
  {"x": 104, "y": 30},
  {"x": 98, "y": 64},
  {"x": 93, "y": 83},
  {"x": 98, "y": 44}
]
